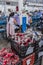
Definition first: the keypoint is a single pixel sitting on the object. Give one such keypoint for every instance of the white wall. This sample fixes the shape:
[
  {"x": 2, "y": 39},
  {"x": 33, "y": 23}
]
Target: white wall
[
  {"x": 34, "y": 6},
  {"x": 1, "y": 7},
  {"x": 11, "y": 0},
  {"x": 5, "y": 8},
  {"x": 10, "y": 7}
]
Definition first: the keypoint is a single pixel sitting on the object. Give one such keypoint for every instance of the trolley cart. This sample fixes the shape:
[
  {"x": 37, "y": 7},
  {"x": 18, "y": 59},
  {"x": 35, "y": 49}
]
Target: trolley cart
[{"x": 22, "y": 44}]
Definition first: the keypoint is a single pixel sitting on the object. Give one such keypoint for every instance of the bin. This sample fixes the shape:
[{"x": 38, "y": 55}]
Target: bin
[{"x": 23, "y": 48}]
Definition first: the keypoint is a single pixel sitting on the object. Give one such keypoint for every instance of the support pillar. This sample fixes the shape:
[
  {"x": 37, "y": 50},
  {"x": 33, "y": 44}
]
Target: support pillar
[{"x": 20, "y": 5}]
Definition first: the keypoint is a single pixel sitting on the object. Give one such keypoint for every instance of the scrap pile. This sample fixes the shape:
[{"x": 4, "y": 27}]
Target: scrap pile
[{"x": 8, "y": 58}]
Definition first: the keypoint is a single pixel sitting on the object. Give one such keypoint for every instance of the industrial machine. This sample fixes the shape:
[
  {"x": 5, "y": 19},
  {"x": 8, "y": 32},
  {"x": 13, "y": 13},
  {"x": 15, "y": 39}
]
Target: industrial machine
[{"x": 3, "y": 22}]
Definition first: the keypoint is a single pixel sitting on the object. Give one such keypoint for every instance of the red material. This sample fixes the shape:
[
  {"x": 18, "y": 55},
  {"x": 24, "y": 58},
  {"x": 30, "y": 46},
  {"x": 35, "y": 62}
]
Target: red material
[
  {"x": 19, "y": 34},
  {"x": 25, "y": 40},
  {"x": 8, "y": 55},
  {"x": 5, "y": 62},
  {"x": 17, "y": 9},
  {"x": 3, "y": 52},
  {"x": 32, "y": 59},
  {"x": 8, "y": 58},
  {"x": 3, "y": 49}
]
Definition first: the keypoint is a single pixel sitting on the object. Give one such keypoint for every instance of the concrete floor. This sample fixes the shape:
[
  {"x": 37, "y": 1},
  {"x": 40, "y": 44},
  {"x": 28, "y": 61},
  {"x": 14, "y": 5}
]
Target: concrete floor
[{"x": 4, "y": 44}]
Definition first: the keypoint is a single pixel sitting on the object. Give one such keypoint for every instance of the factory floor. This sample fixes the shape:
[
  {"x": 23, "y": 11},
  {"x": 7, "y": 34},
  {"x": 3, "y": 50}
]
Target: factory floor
[{"x": 4, "y": 44}]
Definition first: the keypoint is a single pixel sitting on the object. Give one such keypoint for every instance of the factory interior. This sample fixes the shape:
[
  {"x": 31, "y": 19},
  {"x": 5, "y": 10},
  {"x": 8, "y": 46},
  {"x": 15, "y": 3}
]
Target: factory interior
[{"x": 21, "y": 32}]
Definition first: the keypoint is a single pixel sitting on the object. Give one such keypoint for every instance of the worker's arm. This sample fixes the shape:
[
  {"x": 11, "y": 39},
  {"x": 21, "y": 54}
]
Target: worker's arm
[
  {"x": 15, "y": 22},
  {"x": 30, "y": 20}
]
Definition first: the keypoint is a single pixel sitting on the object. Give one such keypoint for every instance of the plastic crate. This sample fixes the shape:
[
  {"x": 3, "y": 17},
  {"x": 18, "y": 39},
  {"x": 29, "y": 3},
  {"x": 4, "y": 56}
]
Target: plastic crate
[{"x": 25, "y": 49}]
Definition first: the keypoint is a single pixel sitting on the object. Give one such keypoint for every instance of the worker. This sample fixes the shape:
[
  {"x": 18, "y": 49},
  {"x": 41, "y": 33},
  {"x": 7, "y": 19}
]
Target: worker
[
  {"x": 39, "y": 13},
  {"x": 24, "y": 20},
  {"x": 41, "y": 23},
  {"x": 9, "y": 11},
  {"x": 0, "y": 13},
  {"x": 35, "y": 13},
  {"x": 29, "y": 20},
  {"x": 11, "y": 25},
  {"x": 17, "y": 18}
]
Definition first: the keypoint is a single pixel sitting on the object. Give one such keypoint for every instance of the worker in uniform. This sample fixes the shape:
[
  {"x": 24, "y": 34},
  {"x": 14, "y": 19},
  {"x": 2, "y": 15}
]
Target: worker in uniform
[
  {"x": 41, "y": 23},
  {"x": 17, "y": 18},
  {"x": 39, "y": 13},
  {"x": 29, "y": 20},
  {"x": 0, "y": 13},
  {"x": 11, "y": 25}
]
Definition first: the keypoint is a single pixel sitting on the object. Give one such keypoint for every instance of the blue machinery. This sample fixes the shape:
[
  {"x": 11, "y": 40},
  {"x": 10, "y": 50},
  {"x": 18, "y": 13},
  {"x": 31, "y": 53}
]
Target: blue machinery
[
  {"x": 3, "y": 22},
  {"x": 35, "y": 20}
]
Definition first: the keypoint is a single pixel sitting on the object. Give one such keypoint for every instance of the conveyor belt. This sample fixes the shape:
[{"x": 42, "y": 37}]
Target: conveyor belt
[
  {"x": 2, "y": 30},
  {"x": 3, "y": 22}
]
